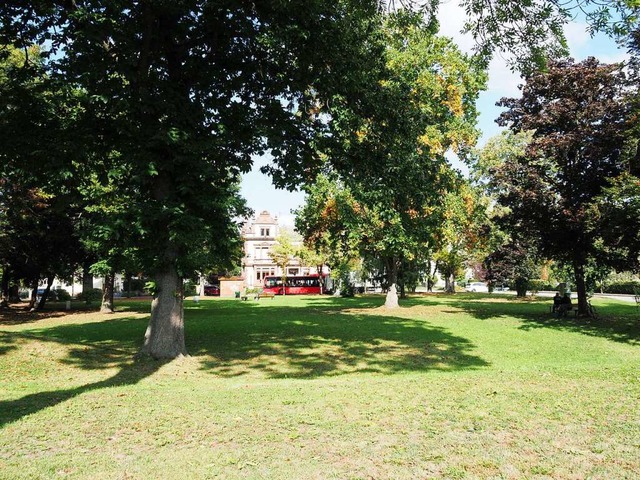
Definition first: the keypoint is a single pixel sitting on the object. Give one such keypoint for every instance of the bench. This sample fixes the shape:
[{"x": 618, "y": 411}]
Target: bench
[
  {"x": 256, "y": 295},
  {"x": 573, "y": 309},
  {"x": 250, "y": 295}
]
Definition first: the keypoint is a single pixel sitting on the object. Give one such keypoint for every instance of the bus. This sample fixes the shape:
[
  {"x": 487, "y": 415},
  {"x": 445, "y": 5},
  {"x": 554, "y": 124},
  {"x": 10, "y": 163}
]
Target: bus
[{"x": 296, "y": 285}]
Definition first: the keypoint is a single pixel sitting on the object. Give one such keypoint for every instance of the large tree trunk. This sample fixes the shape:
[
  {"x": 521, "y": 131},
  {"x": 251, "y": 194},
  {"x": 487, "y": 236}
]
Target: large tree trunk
[
  {"x": 392, "y": 294},
  {"x": 449, "y": 283},
  {"x": 581, "y": 288},
  {"x": 107, "y": 293},
  {"x": 165, "y": 334},
  {"x": 14, "y": 294}
]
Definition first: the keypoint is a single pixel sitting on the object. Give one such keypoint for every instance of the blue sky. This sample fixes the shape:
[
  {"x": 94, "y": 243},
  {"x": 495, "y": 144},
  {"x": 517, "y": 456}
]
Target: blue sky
[{"x": 261, "y": 195}]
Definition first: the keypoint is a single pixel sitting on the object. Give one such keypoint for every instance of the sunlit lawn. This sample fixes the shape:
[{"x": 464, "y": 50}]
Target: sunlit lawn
[{"x": 465, "y": 386}]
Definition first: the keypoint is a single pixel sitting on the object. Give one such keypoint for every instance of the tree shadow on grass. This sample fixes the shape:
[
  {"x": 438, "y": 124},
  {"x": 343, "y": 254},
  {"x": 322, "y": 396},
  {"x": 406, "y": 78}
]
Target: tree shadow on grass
[
  {"x": 232, "y": 339},
  {"x": 615, "y": 321},
  {"x": 326, "y": 339},
  {"x": 94, "y": 346}
]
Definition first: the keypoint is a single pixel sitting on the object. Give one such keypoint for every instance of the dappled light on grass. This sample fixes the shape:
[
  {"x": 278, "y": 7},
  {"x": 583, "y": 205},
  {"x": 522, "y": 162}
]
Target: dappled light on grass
[{"x": 320, "y": 343}]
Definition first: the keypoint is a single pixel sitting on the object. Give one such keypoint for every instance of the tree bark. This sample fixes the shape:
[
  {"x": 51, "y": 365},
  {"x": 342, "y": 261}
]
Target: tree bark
[
  {"x": 449, "y": 283},
  {"x": 14, "y": 294},
  {"x": 581, "y": 288},
  {"x": 107, "y": 293},
  {"x": 164, "y": 337},
  {"x": 45, "y": 295},
  {"x": 4, "y": 287}
]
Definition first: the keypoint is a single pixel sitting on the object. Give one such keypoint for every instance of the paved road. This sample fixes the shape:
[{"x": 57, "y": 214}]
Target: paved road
[{"x": 616, "y": 296}]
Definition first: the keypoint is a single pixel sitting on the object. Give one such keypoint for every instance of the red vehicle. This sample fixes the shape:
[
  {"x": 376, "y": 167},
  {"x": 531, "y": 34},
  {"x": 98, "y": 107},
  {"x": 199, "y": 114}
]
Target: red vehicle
[
  {"x": 296, "y": 285},
  {"x": 212, "y": 290}
]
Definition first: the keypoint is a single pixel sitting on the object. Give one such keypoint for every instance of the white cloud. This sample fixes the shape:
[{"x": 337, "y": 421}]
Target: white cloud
[
  {"x": 286, "y": 220},
  {"x": 577, "y": 36},
  {"x": 452, "y": 18}
]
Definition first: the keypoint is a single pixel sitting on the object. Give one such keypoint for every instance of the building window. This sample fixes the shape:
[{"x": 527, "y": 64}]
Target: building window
[
  {"x": 264, "y": 272},
  {"x": 264, "y": 232},
  {"x": 262, "y": 253}
]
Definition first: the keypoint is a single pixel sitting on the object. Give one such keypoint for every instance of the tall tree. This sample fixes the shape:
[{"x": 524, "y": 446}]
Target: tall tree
[
  {"x": 181, "y": 94},
  {"x": 459, "y": 234},
  {"x": 419, "y": 104},
  {"x": 579, "y": 114}
]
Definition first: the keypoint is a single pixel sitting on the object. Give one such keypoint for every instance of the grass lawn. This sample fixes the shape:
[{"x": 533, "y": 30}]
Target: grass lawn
[{"x": 466, "y": 386}]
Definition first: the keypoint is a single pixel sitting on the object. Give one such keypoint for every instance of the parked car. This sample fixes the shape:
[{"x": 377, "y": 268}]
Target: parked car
[
  {"x": 477, "y": 287},
  {"x": 212, "y": 290}
]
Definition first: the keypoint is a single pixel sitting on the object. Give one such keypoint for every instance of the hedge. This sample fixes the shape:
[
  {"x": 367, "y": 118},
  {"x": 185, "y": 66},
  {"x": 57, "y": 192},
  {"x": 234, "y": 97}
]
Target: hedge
[{"x": 622, "y": 287}]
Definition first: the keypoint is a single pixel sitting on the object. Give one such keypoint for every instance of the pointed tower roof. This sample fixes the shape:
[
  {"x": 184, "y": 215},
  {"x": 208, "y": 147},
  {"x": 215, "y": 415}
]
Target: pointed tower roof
[{"x": 265, "y": 218}]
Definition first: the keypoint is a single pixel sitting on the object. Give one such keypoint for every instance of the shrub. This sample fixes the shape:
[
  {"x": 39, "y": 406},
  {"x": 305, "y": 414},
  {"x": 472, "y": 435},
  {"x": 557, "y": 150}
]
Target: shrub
[
  {"x": 190, "y": 288},
  {"x": 91, "y": 295},
  {"x": 622, "y": 287},
  {"x": 62, "y": 295},
  {"x": 535, "y": 285}
]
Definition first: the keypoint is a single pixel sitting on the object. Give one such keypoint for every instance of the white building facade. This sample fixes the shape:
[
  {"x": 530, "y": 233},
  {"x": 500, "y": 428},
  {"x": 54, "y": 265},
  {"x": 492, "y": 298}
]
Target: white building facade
[{"x": 259, "y": 235}]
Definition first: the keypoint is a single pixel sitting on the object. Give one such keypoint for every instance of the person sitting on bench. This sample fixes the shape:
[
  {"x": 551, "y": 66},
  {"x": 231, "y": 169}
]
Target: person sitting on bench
[
  {"x": 557, "y": 300},
  {"x": 565, "y": 305}
]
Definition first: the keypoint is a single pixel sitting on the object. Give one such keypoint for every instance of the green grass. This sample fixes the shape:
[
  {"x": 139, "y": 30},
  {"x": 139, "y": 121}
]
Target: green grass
[{"x": 465, "y": 386}]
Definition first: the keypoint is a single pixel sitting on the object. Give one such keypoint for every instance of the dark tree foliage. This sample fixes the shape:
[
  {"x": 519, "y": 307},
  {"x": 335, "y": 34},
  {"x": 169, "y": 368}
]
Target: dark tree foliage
[
  {"x": 512, "y": 263},
  {"x": 579, "y": 112}
]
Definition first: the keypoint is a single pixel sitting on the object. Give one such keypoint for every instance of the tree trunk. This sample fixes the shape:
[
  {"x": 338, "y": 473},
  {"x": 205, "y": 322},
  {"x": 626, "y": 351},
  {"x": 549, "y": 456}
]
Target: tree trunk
[
  {"x": 14, "y": 294},
  {"x": 449, "y": 283},
  {"x": 581, "y": 288},
  {"x": 164, "y": 337},
  {"x": 4, "y": 287},
  {"x": 392, "y": 294},
  {"x": 521, "y": 284},
  {"x": 87, "y": 278},
  {"x": 107, "y": 293},
  {"x": 45, "y": 295},
  {"x": 403, "y": 290},
  {"x": 320, "y": 278}
]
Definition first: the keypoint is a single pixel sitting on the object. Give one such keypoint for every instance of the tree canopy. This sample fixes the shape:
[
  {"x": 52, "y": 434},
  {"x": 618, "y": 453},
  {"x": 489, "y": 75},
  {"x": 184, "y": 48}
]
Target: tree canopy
[{"x": 579, "y": 115}]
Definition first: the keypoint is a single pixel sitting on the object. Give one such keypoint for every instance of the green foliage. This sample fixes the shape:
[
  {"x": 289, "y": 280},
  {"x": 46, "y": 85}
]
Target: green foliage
[
  {"x": 62, "y": 295},
  {"x": 190, "y": 288},
  {"x": 151, "y": 287},
  {"x": 615, "y": 216},
  {"x": 90, "y": 295},
  {"x": 536, "y": 285},
  {"x": 629, "y": 288},
  {"x": 283, "y": 251},
  {"x": 390, "y": 172}
]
